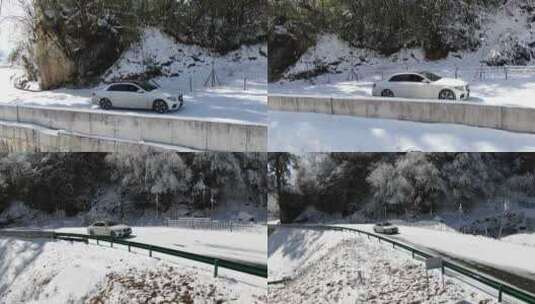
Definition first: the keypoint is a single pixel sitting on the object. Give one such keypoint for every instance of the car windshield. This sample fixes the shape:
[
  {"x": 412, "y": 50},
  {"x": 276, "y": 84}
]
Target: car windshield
[
  {"x": 431, "y": 76},
  {"x": 147, "y": 86}
]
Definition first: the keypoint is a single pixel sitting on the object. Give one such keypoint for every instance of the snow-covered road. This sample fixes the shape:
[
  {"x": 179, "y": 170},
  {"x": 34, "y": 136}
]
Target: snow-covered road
[
  {"x": 61, "y": 272},
  {"x": 312, "y": 132},
  {"x": 336, "y": 267},
  {"x": 248, "y": 246},
  {"x": 503, "y": 255},
  {"x": 229, "y": 103},
  {"x": 517, "y": 92}
]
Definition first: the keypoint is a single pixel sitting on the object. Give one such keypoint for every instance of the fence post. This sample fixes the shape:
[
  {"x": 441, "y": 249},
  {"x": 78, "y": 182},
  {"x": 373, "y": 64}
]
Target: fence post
[
  {"x": 456, "y": 72},
  {"x": 500, "y": 294},
  {"x": 111, "y": 243},
  {"x": 190, "y": 84},
  {"x": 245, "y": 84},
  {"x": 216, "y": 265},
  {"x": 412, "y": 251},
  {"x": 128, "y": 247},
  {"x": 506, "y": 73},
  {"x": 97, "y": 241},
  {"x": 150, "y": 251}
]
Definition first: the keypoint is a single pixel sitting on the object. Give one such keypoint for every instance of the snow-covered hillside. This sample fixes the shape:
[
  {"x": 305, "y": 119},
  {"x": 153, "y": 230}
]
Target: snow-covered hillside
[
  {"x": 345, "y": 71},
  {"x": 239, "y": 94},
  {"x": 336, "y": 267},
  {"x": 61, "y": 272}
]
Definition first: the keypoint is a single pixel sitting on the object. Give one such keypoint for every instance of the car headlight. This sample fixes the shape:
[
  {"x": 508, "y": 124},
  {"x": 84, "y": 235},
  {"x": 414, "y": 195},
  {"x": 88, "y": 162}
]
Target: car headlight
[
  {"x": 461, "y": 88},
  {"x": 172, "y": 98}
]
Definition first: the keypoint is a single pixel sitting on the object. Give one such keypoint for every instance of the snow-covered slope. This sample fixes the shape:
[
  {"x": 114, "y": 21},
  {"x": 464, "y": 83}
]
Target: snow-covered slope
[
  {"x": 508, "y": 24},
  {"x": 352, "y": 71},
  {"x": 336, "y": 267},
  {"x": 61, "y": 272},
  {"x": 159, "y": 51}
]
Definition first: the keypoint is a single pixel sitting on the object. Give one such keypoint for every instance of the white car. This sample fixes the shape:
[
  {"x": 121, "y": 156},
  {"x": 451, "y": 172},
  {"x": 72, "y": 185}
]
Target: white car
[
  {"x": 108, "y": 228},
  {"x": 385, "y": 228},
  {"x": 137, "y": 95},
  {"x": 424, "y": 85}
]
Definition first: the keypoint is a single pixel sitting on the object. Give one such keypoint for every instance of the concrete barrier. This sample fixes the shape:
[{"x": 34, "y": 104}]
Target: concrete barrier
[
  {"x": 513, "y": 119},
  {"x": 167, "y": 130},
  {"x": 16, "y": 137}
]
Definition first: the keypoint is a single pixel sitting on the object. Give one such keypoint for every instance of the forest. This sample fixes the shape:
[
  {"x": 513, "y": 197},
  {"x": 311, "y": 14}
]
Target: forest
[
  {"x": 72, "y": 184},
  {"x": 378, "y": 185},
  {"x": 385, "y": 26},
  {"x": 87, "y": 36}
]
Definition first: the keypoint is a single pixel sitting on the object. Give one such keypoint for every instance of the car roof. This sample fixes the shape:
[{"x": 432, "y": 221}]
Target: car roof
[
  {"x": 124, "y": 82},
  {"x": 407, "y": 73}
]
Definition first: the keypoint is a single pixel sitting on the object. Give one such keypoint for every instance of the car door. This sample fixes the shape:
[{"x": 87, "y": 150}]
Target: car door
[
  {"x": 415, "y": 86},
  {"x": 135, "y": 97},
  {"x": 98, "y": 228},
  {"x": 398, "y": 85},
  {"x": 113, "y": 94}
]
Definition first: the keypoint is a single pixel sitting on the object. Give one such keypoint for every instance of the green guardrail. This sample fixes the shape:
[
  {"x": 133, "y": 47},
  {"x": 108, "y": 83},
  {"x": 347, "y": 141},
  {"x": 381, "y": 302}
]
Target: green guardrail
[
  {"x": 501, "y": 287},
  {"x": 249, "y": 268}
]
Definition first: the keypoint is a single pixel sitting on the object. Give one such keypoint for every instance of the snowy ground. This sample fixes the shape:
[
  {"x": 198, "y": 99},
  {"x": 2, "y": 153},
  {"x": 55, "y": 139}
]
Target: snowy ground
[
  {"x": 185, "y": 69},
  {"x": 61, "y": 272},
  {"x": 312, "y": 132},
  {"x": 496, "y": 253},
  {"x": 335, "y": 267},
  {"x": 249, "y": 246}
]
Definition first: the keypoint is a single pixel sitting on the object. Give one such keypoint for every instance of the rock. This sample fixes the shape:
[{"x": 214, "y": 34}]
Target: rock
[
  {"x": 284, "y": 50},
  {"x": 54, "y": 67}
]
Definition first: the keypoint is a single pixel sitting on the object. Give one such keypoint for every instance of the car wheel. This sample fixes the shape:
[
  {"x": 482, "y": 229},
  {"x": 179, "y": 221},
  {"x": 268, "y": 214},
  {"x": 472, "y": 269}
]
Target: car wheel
[
  {"x": 446, "y": 95},
  {"x": 387, "y": 93},
  {"x": 105, "y": 104},
  {"x": 160, "y": 106}
]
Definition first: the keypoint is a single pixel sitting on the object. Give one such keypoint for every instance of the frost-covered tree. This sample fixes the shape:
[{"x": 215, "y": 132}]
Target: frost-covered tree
[
  {"x": 412, "y": 183},
  {"x": 469, "y": 177}
]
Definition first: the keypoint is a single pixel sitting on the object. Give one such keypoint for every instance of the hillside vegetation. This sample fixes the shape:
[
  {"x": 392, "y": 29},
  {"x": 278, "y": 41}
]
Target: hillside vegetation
[
  {"x": 126, "y": 185},
  {"x": 438, "y": 27},
  {"x": 73, "y": 42},
  {"x": 379, "y": 185}
]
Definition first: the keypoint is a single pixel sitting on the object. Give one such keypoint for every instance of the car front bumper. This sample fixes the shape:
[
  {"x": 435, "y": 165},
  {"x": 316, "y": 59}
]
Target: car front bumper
[
  {"x": 176, "y": 105},
  {"x": 462, "y": 94}
]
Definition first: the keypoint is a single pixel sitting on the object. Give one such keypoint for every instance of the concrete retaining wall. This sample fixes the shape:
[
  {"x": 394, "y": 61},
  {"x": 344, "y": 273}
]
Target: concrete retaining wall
[
  {"x": 15, "y": 137},
  {"x": 464, "y": 113},
  {"x": 194, "y": 134}
]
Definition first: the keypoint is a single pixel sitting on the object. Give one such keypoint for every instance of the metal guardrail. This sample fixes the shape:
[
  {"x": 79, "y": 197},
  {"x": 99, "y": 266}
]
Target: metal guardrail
[
  {"x": 249, "y": 268},
  {"x": 501, "y": 287}
]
